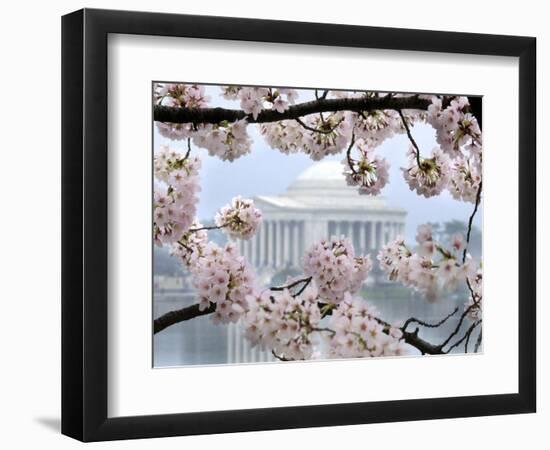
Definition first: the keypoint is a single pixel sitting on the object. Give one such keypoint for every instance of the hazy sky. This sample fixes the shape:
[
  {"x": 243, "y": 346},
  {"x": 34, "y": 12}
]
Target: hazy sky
[{"x": 266, "y": 171}]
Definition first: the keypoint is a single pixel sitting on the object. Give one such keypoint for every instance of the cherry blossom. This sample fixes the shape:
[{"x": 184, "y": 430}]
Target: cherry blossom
[
  {"x": 285, "y": 135},
  {"x": 427, "y": 176},
  {"x": 366, "y": 170},
  {"x": 431, "y": 268},
  {"x": 335, "y": 268},
  {"x": 325, "y": 318},
  {"x": 240, "y": 219},
  {"x": 284, "y": 323},
  {"x": 358, "y": 332},
  {"x": 454, "y": 126},
  {"x": 333, "y": 135},
  {"x": 223, "y": 277},
  {"x": 228, "y": 141},
  {"x": 191, "y": 245},
  {"x": 464, "y": 179},
  {"x": 175, "y": 197}
]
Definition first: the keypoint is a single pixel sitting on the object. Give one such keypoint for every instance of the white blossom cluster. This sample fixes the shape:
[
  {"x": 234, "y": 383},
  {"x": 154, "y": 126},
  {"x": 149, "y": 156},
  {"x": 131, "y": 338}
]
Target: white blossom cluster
[
  {"x": 465, "y": 178},
  {"x": 366, "y": 170},
  {"x": 191, "y": 244},
  {"x": 285, "y": 135},
  {"x": 175, "y": 200},
  {"x": 335, "y": 268},
  {"x": 227, "y": 141},
  {"x": 454, "y": 127},
  {"x": 284, "y": 323},
  {"x": 254, "y": 100},
  {"x": 431, "y": 268},
  {"x": 359, "y": 333},
  {"x": 430, "y": 177},
  {"x": 374, "y": 127},
  {"x": 240, "y": 219},
  {"x": 223, "y": 277},
  {"x": 323, "y": 136},
  {"x": 333, "y": 137}
]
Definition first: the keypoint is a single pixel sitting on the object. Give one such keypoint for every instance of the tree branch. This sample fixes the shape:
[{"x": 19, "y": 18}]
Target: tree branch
[
  {"x": 180, "y": 315},
  {"x": 471, "y": 221},
  {"x": 428, "y": 325},
  {"x": 216, "y": 115},
  {"x": 413, "y": 142}
]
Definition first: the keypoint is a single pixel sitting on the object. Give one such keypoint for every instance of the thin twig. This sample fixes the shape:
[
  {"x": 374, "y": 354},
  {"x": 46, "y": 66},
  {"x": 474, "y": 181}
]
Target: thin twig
[
  {"x": 212, "y": 227},
  {"x": 291, "y": 285},
  {"x": 317, "y": 130},
  {"x": 348, "y": 153},
  {"x": 413, "y": 142},
  {"x": 470, "y": 222},
  {"x": 478, "y": 342},
  {"x": 428, "y": 325},
  {"x": 188, "y": 149},
  {"x": 466, "y": 336},
  {"x": 459, "y": 325}
]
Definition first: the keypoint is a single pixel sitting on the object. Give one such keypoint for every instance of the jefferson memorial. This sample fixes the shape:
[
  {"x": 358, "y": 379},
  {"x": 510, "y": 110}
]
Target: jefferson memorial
[{"x": 317, "y": 205}]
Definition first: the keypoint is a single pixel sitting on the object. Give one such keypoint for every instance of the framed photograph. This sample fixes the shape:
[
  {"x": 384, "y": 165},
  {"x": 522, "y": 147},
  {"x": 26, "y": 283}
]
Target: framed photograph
[{"x": 274, "y": 224}]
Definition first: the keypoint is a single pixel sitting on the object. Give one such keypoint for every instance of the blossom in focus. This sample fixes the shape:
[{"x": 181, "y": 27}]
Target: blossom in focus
[
  {"x": 430, "y": 176},
  {"x": 227, "y": 141},
  {"x": 240, "y": 219},
  {"x": 191, "y": 245},
  {"x": 359, "y": 333},
  {"x": 175, "y": 194},
  {"x": 430, "y": 268},
  {"x": 335, "y": 268},
  {"x": 284, "y": 323},
  {"x": 223, "y": 277},
  {"x": 366, "y": 170}
]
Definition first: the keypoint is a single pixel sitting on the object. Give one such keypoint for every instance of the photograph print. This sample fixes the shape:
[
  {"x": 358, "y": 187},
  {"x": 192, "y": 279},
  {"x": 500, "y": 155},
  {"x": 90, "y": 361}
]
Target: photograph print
[{"x": 302, "y": 224}]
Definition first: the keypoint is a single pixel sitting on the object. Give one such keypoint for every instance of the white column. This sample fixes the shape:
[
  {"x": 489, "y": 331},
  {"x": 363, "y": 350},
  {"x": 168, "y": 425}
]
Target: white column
[
  {"x": 372, "y": 239},
  {"x": 337, "y": 229},
  {"x": 261, "y": 237},
  {"x": 362, "y": 247},
  {"x": 296, "y": 244},
  {"x": 288, "y": 255},
  {"x": 278, "y": 246},
  {"x": 379, "y": 234}
]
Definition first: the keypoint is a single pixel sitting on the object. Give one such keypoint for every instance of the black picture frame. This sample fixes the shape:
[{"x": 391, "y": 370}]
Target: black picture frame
[{"x": 84, "y": 224}]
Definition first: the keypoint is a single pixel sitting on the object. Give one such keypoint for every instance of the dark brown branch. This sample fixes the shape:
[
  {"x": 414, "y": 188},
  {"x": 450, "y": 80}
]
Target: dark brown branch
[
  {"x": 180, "y": 315},
  {"x": 471, "y": 221},
  {"x": 188, "y": 149},
  {"x": 212, "y": 227},
  {"x": 190, "y": 312},
  {"x": 217, "y": 115},
  {"x": 280, "y": 358},
  {"x": 478, "y": 342},
  {"x": 428, "y": 325},
  {"x": 413, "y": 142},
  {"x": 465, "y": 337},
  {"x": 291, "y": 285},
  {"x": 317, "y": 130},
  {"x": 348, "y": 154},
  {"x": 459, "y": 325}
]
